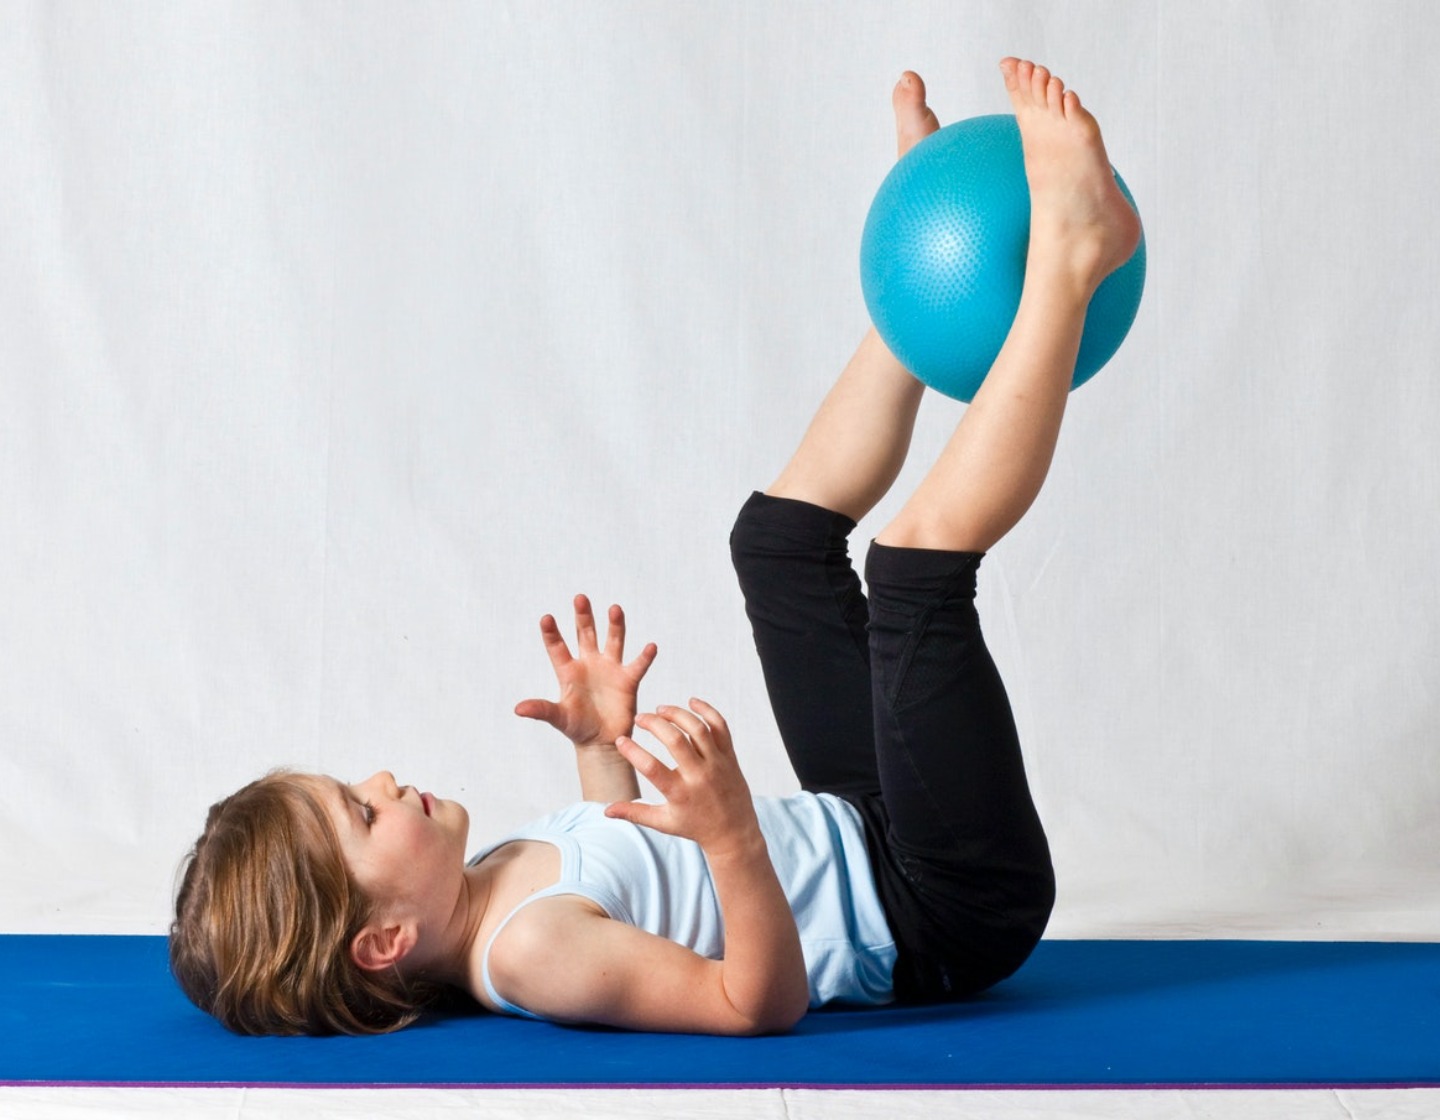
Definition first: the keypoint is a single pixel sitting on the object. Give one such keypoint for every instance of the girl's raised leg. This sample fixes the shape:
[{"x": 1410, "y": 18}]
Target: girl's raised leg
[
  {"x": 856, "y": 444},
  {"x": 790, "y": 549},
  {"x": 1081, "y": 230},
  {"x": 968, "y": 876}
]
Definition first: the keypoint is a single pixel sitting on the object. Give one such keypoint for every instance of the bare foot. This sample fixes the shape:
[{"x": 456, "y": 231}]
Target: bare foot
[
  {"x": 1079, "y": 220},
  {"x": 914, "y": 120}
]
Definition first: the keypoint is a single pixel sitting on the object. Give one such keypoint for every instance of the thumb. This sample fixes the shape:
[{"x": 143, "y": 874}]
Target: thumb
[
  {"x": 636, "y": 812},
  {"x": 538, "y": 709}
]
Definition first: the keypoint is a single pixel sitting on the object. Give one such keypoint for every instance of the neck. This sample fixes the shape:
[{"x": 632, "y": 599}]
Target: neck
[{"x": 447, "y": 960}]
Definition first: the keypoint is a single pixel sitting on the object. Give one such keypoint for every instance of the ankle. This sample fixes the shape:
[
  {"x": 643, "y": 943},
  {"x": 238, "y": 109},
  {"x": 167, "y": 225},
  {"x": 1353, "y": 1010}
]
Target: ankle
[{"x": 1064, "y": 282}]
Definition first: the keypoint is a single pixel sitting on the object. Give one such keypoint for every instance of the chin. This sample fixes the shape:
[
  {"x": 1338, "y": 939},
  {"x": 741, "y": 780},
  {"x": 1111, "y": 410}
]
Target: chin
[{"x": 462, "y": 826}]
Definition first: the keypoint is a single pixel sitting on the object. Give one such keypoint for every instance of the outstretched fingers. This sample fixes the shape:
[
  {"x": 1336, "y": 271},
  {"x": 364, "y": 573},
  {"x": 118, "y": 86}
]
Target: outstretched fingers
[
  {"x": 705, "y": 726},
  {"x": 706, "y": 796},
  {"x": 555, "y": 647},
  {"x": 680, "y": 735},
  {"x": 657, "y": 774},
  {"x": 689, "y": 739},
  {"x": 615, "y": 644},
  {"x": 646, "y": 764},
  {"x": 643, "y": 660},
  {"x": 615, "y": 633},
  {"x": 585, "y": 638}
]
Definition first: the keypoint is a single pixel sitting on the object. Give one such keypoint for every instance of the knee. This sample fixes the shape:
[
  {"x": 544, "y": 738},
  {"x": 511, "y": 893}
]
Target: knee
[
  {"x": 771, "y": 526},
  {"x": 933, "y": 531},
  {"x": 748, "y": 533}
]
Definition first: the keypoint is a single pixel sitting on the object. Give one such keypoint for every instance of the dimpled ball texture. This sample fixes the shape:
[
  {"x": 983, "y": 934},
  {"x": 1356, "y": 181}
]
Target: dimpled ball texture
[{"x": 942, "y": 259}]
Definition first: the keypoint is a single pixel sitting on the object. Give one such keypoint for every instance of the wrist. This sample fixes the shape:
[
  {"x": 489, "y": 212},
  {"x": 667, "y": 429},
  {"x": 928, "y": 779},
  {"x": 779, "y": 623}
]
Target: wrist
[
  {"x": 598, "y": 746},
  {"x": 605, "y": 775},
  {"x": 741, "y": 848}
]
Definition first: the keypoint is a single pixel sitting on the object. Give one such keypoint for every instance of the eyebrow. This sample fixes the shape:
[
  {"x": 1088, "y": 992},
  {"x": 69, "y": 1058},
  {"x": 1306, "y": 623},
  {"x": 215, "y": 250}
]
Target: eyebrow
[{"x": 347, "y": 802}]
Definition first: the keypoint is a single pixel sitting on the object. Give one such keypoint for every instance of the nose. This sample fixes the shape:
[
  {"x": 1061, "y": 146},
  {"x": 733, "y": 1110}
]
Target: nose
[{"x": 384, "y": 781}]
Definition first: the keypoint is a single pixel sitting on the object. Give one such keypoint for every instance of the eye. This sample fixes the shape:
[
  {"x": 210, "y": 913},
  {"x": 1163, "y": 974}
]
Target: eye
[{"x": 368, "y": 813}]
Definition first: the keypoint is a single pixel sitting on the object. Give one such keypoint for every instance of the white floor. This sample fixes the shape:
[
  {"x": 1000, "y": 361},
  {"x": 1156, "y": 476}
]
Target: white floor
[{"x": 692, "y": 1104}]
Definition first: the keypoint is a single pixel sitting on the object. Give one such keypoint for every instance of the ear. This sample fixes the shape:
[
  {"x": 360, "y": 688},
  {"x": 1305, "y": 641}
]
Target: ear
[{"x": 380, "y": 946}]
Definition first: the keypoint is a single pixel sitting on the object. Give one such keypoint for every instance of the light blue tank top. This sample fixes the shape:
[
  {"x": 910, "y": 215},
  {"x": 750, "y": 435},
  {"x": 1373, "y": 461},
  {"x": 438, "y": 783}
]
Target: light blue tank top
[{"x": 662, "y": 884}]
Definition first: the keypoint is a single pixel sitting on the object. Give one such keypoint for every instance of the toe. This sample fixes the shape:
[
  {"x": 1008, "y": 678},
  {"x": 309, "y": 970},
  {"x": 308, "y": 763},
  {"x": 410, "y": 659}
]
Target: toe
[
  {"x": 1055, "y": 94},
  {"x": 1007, "y": 68},
  {"x": 1039, "y": 83},
  {"x": 913, "y": 118},
  {"x": 909, "y": 90},
  {"x": 1024, "y": 74}
]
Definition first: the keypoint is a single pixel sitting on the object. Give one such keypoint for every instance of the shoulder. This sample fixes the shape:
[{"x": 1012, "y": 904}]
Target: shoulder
[
  {"x": 539, "y": 939},
  {"x": 541, "y": 927}
]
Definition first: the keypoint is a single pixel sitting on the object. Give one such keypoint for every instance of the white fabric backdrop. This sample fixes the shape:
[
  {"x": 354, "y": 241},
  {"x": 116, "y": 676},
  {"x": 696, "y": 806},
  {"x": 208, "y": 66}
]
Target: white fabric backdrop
[{"x": 340, "y": 342}]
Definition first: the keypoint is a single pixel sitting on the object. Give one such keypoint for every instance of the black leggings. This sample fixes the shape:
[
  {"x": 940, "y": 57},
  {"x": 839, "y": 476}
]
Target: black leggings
[{"x": 896, "y": 706}]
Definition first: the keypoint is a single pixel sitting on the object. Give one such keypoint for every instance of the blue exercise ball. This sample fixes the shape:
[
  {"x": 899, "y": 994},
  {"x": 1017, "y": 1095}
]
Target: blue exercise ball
[{"x": 942, "y": 259}]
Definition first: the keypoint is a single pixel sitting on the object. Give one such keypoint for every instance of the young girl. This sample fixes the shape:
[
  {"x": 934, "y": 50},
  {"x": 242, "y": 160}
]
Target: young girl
[{"x": 913, "y": 866}]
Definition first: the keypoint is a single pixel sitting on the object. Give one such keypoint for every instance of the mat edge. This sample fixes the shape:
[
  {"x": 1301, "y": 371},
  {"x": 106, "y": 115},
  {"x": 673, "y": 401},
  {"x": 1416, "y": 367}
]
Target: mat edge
[{"x": 712, "y": 1086}]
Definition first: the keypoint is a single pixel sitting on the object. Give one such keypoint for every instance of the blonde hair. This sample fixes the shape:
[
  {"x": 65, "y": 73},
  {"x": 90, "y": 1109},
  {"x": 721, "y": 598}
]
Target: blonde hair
[{"x": 265, "y": 916}]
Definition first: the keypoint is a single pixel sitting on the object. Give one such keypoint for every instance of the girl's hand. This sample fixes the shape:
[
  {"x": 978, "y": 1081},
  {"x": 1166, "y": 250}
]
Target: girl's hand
[
  {"x": 706, "y": 796},
  {"x": 597, "y": 688}
]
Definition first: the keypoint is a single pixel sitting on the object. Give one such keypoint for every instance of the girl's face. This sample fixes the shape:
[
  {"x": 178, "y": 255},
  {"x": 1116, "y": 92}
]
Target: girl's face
[{"x": 406, "y": 849}]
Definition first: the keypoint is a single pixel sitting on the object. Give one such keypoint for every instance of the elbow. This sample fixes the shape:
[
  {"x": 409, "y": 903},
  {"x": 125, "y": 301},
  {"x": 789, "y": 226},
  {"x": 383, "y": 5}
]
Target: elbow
[
  {"x": 795, "y": 1011},
  {"x": 787, "y": 1021},
  {"x": 775, "y": 1020}
]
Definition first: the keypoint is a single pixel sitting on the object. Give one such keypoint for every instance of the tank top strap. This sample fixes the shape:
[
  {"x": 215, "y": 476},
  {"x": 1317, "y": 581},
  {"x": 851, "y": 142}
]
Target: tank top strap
[
  {"x": 571, "y": 883},
  {"x": 500, "y": 1001}
]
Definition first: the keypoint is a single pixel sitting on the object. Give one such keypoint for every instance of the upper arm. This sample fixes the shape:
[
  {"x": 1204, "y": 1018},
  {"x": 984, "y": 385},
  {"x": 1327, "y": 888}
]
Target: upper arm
[{"x": 568, "y": 963}]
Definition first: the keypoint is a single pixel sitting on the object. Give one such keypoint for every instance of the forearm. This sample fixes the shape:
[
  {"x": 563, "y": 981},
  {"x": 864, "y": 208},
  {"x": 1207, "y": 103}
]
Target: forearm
[
  {"x": 764, "y": 969},
  {"x": 604, "y": 774}
]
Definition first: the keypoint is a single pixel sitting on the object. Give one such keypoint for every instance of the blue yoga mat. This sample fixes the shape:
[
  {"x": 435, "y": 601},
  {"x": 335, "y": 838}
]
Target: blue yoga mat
[{"x": 103, "y": 1010}]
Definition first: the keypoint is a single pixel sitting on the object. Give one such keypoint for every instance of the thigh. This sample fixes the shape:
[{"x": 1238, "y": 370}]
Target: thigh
[
  {"x": 962, "y": 826},
  {"x": 808, "y": 615}
]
